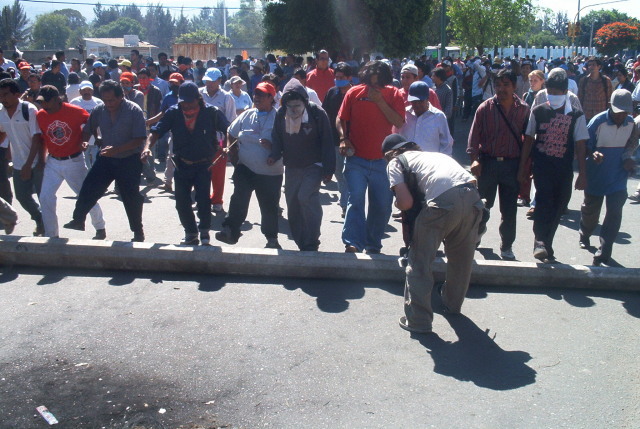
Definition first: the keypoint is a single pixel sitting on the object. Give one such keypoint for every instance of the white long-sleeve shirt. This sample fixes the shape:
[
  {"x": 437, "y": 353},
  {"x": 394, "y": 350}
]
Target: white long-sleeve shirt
[{"x": 430, "y": 130}]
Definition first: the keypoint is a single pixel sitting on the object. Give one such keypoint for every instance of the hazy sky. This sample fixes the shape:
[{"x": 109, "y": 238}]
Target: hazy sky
[{"x": 631, "y": 7}]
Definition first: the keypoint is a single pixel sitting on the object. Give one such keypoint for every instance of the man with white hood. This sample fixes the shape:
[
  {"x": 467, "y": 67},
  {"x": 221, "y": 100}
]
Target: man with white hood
[{"x": 302, "y": 137}]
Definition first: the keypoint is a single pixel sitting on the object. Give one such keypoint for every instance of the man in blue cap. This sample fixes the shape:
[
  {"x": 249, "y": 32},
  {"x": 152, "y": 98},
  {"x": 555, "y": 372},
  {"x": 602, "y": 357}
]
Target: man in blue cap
[
  {"x": 213, "y": 95},
  {"x": 193, "y": 125}
]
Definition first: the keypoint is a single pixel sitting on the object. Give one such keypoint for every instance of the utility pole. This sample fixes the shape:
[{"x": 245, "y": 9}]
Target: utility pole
[{"x": 443, "y": 30}]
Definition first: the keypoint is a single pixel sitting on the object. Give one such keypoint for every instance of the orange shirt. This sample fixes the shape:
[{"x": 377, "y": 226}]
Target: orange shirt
[
  {"x": 367, "y": 124},
  {"x": 62, "y": 131},
  {"x": 321, "y": 81}
]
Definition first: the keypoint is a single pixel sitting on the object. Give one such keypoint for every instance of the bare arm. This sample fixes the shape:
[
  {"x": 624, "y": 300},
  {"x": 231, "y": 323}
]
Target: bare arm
[
  {"x": 343, "y": 135},
  {"x": 404, "y": 199},
  {"x": 391, "y": 115}
]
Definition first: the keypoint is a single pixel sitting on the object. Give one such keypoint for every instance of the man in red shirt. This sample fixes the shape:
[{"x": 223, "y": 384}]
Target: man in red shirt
[
  {"x": 366, "y": 117},
  {"x": 61, "y": 125},
  {"x": 322, "y": 78}
]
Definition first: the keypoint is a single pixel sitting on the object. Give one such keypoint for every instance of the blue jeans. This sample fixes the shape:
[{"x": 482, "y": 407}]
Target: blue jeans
[{"x": 360, "y": 231}]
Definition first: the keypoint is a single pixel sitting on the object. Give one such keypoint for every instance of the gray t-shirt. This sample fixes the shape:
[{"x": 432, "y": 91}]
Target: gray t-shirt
[
  {"x": 249, "y": 128},
  {"x": 436, "y": 172},
  {"x": 129, "y": 124}
]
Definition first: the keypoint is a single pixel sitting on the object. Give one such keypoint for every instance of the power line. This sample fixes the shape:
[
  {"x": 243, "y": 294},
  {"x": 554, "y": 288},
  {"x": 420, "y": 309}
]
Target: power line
[{"x": 126, "y": 5}]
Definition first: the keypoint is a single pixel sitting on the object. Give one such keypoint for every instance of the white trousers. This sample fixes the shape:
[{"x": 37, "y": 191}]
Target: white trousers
[{"x": 73, "y": 171}]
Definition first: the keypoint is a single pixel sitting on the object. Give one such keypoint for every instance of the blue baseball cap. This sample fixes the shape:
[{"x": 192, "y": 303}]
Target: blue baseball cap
[
  {"x": 418, "y": 91},
  {"x": 97, "y": 64},
  {"x": 188, "y": 92},
  {"x": 212, "y": 75}
]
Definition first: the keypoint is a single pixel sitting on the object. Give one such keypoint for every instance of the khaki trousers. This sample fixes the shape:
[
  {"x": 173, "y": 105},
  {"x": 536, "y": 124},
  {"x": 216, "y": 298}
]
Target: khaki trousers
[{"x": 452, "y": 217}]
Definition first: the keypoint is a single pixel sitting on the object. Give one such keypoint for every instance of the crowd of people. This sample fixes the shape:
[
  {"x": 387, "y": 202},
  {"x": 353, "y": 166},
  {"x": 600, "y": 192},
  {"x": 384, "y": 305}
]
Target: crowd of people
[{"x": 382, "y": 127}]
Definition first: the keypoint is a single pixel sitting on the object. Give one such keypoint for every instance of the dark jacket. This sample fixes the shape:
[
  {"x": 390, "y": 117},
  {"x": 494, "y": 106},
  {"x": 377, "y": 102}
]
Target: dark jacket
[
  {"x": 312, "y": 144},
  {"x": 154, "y": 100}
]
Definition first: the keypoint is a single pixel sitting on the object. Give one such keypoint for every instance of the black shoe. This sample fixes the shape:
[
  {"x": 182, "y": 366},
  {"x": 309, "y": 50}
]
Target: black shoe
[
  {"x": 75, "y": 224},
  {"x": 190, "y": 240},
  {"x": 101, "y": 234},
  {"x": 272, "y": 243},
  {"x": 39, "y": 231},
  {"x": 599, "y": 260},
  {"x": 138, "y": 237},
  {"x": 226, "y": 236},
  {"x": 584, "y": 242}
]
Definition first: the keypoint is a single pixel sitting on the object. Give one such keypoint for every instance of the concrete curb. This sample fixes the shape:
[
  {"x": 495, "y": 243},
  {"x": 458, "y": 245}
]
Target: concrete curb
[{"x": 115, "y": 255}]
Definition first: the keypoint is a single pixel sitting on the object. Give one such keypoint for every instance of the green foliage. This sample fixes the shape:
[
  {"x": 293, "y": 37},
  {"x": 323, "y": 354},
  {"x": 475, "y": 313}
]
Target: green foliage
[
  {"x": 50, "y": 31},
  {"x": 210, "y": 19},
  {"x": 13, "y": 26},
  {"x": 159, "y": 25},
  {"x": 104, "y": 16},
  {"x": 599, "y": 18},
  {"x": 204, "y": 36},
  {"x": 75, "y": 20},
  {"x": 245, "y": 27},
  {"x": 300, "y": 26},
  {"x": 119, "y": 28},
  {"x": 181, "y": 25},
  {"x": 484, "y": 23}
]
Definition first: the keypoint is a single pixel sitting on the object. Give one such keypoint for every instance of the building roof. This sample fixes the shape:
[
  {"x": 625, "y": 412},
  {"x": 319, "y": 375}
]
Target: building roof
[{"x": 118, "y": 42}]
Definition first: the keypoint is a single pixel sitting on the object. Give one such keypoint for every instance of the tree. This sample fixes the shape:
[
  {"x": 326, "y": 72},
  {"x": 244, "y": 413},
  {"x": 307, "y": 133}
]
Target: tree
[
  {"x": 485, "y": 23},
  {"x": 13, "y": 26},
  {"x": 598, "y": 18},
  {"x": 104, "y": 16},
  {"x": 612, "y": 38},
  {"x": 211, "y": 19},
  {"x": 182, "y": 25},
  {"x": 50, "y": 31},
  {"x": 301, "y": 25},
  {"x": 245, "y": 28},
  {"x": 159, "y": 25},
  {"x": 119, "y": 28},
  {"x": 204, "y": 36},
  {"x": 76, "y": 23}
]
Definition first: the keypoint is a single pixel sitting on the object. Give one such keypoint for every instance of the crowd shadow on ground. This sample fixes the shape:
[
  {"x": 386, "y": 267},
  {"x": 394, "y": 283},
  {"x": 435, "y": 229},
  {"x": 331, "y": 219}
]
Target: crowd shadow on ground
[{"x": 332, "y": 296}]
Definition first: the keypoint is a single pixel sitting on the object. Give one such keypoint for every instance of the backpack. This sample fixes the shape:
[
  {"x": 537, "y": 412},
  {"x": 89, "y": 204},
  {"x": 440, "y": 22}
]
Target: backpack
[
  {"x": 409, "y": 216},
  {"x": 25, "y": 110}
]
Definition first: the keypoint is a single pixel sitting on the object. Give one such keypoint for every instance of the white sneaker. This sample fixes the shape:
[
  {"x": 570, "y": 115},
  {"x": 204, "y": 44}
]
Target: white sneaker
[
  {"x": 635, "y": 197},
  {"x": 507, "y": 254}
]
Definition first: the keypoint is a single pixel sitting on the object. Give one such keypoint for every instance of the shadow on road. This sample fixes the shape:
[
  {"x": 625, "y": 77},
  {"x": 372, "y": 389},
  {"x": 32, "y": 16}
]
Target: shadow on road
[{"x": 477, "y": 358}]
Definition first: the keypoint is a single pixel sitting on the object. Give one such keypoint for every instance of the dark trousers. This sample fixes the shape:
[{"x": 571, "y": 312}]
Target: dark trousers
[
  {"x": 553, "y": 192},
  {"x": 267, "y": 189},
  {"x": 501, "y": 177},
  {"x": 467, "y": 104},
  {"x": 25, "y": 190},
  {"x": 126, "y": 173},
  {"x": 5, "y": 186},
  {"x": 304, "y": 211},
  {"x": 189, "y": 177},
  {"x": 590, "y": 214}
]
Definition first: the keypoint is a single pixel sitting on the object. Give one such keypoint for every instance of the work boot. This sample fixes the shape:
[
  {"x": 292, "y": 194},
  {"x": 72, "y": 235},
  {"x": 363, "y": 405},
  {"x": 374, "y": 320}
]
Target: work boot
[
  {"x": 75, "y": 224},
  {"x": 226, "y": 236},
  {"x": 138, "y": 236},
  {"x": 101, "y": 234}
]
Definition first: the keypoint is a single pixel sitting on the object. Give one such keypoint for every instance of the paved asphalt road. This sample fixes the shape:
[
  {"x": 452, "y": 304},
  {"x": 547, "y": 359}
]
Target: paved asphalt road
[{"x": 154, "y": 350}]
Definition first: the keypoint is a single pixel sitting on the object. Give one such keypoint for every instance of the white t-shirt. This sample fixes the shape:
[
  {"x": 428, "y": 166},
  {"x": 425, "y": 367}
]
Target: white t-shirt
[
  {"x": 19, "y": 133},
  {"x": 73, "y": 91},
  {"x": 7, "y": 64},
  {"x": 249, "y": 128},
  {"x": 313, "y": 96},
  {"x": 436, "y": 172},
  {"x": 88, "y": 105}
]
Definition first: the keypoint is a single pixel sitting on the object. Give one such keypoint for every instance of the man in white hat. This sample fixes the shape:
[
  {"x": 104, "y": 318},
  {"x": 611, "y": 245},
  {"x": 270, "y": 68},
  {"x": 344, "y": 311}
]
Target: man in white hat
[{"x": 88, "y": 102}]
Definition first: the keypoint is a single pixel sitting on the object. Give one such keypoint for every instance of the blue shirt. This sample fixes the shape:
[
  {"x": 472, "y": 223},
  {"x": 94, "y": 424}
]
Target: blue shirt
[
  {"x": 168, "y": 101},
  {"x": 616, "y": 144}
]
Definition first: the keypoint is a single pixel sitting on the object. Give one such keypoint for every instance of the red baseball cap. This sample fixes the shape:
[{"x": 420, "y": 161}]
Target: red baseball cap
[
  {"x": 267, "y": 88},
  {"x": 176, "y": 77}
]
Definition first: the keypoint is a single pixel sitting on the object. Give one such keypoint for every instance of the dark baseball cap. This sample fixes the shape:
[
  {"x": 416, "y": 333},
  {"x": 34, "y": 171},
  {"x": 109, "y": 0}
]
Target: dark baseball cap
[
  {"x": 418, "y": 91},
  {"x": 393, "y": 141},
  {"x": 47, "y": 92},
  {"x": 188, "y": 92}
]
